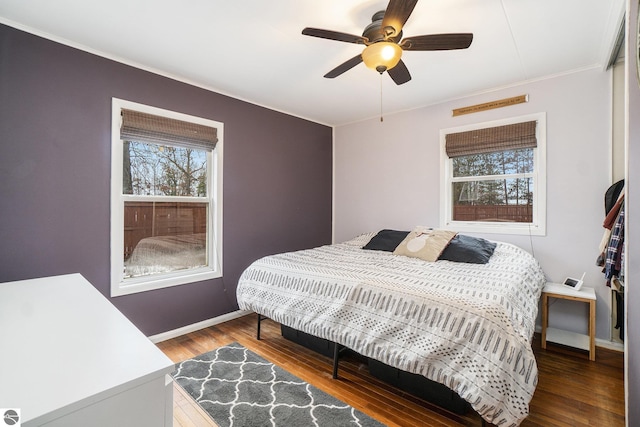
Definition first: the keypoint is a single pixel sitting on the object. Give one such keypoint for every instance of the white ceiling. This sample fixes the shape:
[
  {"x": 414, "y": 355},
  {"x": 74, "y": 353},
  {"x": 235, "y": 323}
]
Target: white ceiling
[{"x": 254, "y": 50}]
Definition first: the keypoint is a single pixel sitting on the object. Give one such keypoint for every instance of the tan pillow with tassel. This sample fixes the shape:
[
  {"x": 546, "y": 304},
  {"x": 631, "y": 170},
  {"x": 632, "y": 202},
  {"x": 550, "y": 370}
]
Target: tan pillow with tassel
[{"x": 425, "y": 243}]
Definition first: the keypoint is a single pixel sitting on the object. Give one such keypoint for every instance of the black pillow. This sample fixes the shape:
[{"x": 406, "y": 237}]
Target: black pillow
[
  {"x": 386, "y": 240},
  {"x": 474, "y": 250}
]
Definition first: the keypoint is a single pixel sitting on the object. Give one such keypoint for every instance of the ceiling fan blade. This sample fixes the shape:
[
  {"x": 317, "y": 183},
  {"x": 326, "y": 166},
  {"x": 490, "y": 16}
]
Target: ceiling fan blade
[
  {"x": 438, "y": 42},
  {"x": 334, "y": 35},
  {"x": 399, "y": 73},
  {"x": 397, "y": 13},
  {"x": 345, "y": 66}
]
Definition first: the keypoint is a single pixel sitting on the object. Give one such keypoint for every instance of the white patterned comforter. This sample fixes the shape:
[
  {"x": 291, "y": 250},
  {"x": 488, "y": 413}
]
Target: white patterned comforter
[{"x": 467, "y": 326}]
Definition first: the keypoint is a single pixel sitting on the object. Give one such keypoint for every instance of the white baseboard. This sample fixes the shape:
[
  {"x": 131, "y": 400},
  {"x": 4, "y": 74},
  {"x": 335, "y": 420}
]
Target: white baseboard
[
  {"x": 197, "y": 326},
  {"x": 608, "y": 344},
  {"x": 611, "y": 345}
]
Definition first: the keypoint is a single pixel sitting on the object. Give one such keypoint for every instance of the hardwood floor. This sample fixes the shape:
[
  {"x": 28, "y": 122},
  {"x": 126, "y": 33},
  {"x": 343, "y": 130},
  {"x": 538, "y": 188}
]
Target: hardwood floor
[{"x": 572, "y": 391}]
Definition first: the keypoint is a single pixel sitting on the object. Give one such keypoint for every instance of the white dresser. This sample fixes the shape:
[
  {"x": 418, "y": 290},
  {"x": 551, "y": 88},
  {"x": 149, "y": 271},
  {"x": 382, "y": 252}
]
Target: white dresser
[{"x": 69, "y": 358}]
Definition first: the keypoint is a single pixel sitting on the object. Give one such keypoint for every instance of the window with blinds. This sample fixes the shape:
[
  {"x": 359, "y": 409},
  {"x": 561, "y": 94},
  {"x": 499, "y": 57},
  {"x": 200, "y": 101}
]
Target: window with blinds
[
  {"x": 166, "y": 182},
  {"x": 494, "y": 176}
]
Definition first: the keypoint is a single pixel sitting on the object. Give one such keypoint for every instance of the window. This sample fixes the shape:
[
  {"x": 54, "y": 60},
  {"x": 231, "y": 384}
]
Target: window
[
  {"x": 166, "y": 198},
  {"x": 493, "y": 177}
]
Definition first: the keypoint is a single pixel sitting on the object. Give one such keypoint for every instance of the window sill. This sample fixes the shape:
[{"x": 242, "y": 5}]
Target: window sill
[
  {"x": 495, "y": 228},
  {"x": 144, "y": 284}
]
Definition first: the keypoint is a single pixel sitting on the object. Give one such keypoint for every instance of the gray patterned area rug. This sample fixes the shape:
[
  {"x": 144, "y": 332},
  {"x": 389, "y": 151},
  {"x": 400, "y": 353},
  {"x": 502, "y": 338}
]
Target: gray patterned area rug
[{"x": 236, "y": 387}]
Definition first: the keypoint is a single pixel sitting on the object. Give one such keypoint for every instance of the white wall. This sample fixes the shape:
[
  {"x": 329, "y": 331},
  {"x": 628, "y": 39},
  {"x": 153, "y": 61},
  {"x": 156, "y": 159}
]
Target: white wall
[{"x": 387, "y": 175}]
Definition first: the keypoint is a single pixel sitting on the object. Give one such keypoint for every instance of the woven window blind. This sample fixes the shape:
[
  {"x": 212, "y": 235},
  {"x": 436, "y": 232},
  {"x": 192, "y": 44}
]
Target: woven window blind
[
  {"x": 490, "y": 140},
  {"x": 144, "y": 127}
]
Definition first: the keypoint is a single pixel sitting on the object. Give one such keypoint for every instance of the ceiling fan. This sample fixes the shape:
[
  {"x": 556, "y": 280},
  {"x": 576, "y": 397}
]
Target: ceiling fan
[{"x": 384, "y": 42}]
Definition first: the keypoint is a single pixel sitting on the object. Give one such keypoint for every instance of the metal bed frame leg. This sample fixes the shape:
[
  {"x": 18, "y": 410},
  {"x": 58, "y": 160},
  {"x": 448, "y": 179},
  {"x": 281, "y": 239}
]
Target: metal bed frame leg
[
  {"x": 336, "y": 356},
  {"x": 259, "y": 320}
]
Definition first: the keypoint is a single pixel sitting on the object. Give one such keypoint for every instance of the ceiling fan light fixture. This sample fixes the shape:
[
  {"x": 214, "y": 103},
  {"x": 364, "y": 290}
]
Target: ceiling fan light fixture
[{"x": 381, "y": 56}]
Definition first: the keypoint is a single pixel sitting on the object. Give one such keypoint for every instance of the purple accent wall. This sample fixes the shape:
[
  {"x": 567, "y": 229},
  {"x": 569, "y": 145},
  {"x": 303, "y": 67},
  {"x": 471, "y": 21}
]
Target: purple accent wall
[{"x": 55, "y": 126}]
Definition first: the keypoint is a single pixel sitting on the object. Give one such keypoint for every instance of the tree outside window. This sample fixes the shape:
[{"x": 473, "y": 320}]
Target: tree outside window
[
  {"x": 179, "y": 227},
  {"x": 478, "y": 195}
]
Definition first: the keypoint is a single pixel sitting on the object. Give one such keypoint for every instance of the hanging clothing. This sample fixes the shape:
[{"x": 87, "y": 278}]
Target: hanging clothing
[
  {"x": 611, "y": 248},
  {"x": 615, "y": 248},
  {"x": 613, "y": 200},
  {"x": 612, "y": 195},
  {"x": 611, "y": 217},
  {"x": 620, "y": 313}
]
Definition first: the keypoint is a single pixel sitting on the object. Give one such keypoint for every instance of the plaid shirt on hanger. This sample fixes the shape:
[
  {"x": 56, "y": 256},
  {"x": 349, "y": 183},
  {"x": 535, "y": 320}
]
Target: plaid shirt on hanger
[{"x": 613, "y": 260}]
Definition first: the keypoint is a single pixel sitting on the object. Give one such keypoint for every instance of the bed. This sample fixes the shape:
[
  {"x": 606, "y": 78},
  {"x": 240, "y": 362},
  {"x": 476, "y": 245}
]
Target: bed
[{"x": 465, "y": 325}]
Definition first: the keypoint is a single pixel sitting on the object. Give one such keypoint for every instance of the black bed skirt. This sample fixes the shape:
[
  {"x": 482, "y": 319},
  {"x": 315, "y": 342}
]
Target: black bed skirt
[
  {"x": 319, "y": 345},
  {"x": 419, "y": 386},
  {"x": 414, "y": 384}
]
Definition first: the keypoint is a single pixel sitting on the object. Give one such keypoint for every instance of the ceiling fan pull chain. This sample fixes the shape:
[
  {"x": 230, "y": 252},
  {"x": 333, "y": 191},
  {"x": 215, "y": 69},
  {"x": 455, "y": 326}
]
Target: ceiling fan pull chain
[{"x": 381, "y": 119}]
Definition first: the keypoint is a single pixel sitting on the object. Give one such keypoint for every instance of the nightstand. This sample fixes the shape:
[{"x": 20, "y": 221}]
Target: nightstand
[{"x": 571, "y": 339}]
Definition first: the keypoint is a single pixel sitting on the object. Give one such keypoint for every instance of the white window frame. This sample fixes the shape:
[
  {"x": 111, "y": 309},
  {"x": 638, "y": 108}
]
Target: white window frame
[
  {"x": 120, "y": 285},
  {"x": 538, "y": 227}
]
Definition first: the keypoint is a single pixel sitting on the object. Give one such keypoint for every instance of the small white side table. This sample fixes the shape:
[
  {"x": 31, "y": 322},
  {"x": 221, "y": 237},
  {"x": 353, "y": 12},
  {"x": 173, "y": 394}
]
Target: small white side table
[{"x": 571, "y": 339}]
